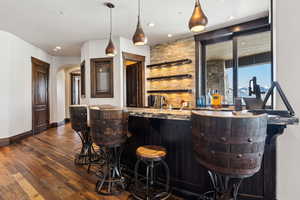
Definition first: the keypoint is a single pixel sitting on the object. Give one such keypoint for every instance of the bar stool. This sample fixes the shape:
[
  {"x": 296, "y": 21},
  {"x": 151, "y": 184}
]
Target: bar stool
[
  {"x": 231, "y": 146},
  {"x": 79, "y": 124},
  {"x": 152, "y": 156},
  {"x": 109, "y": 132}
]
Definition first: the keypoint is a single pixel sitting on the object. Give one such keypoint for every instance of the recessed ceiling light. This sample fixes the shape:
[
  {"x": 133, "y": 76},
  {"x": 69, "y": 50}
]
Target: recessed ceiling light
[
  {"x": 170, "y": 35},
  {"x": 151, "y": 24},
  {"x": 57, "y": 48},
  {"x": 230, "y": 18}
]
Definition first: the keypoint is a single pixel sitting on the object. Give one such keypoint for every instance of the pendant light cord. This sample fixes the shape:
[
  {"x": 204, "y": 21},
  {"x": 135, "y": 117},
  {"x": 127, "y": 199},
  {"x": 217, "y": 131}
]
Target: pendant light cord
[
  {"x": 110, "y": 22},
  {"x": 139, "y": 16}
]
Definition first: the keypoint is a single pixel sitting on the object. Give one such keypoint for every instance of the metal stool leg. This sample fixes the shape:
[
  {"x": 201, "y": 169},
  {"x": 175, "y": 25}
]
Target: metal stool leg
[
  {"x": 147, "y": 182},
  {"x": 225, "y": 187},
  {"x": 111, "y": 178},
  {"x": 136, "y": 168},
  {"x": 151, "y": 181},
  {"x": 167, "y": 175}
]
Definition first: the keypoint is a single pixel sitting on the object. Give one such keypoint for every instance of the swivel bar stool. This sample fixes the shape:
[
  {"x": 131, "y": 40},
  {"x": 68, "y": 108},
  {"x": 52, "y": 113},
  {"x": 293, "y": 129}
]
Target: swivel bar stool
[
  {"x": 231, "y": 146},
  {"x": 79, "y": 124},
  {"x": 109, "y": 132},
  {"x": 149, "y": 188}
]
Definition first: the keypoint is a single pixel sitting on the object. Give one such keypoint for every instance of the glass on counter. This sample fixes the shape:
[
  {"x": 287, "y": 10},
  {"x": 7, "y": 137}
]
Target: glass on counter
[{"x": 201, "y": 102}]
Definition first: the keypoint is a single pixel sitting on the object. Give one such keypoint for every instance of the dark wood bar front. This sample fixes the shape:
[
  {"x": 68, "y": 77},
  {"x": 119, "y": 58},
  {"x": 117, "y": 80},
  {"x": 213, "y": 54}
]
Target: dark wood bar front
[{"x": 188, "y": 178}]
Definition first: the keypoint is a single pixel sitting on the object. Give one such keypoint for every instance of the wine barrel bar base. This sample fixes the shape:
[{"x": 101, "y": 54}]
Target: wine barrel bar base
[
  {"x": 231, "y": 147},
  {"x": 109, "y": 132}
]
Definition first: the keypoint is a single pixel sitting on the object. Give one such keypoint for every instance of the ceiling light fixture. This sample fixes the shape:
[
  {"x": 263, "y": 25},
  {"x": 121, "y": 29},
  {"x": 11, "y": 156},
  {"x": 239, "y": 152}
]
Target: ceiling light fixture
[
  {"x": 198, "y": 20},
  {"x": 230, "y": 18},
  {"x": 170, "y": 35},
  {"x": 139, "y": 38},
  {"x": 110, "y": 49},
  {"x": 57, "y": 48},
  {"x": 151, "y": 24}
]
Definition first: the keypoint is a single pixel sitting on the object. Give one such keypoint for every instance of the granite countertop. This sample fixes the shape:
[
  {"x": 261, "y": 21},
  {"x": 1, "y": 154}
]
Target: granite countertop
[
  {"x": 160, "y": 113},
  {"x": 186, "y": 115}
]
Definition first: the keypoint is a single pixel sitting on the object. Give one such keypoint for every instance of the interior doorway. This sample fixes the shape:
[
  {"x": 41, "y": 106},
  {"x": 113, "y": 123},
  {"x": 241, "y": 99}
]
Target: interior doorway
[
  {"x": 134, "y": 79},
  {"x": 40, "y": 95},
  {"x": 75, "y": 89}
]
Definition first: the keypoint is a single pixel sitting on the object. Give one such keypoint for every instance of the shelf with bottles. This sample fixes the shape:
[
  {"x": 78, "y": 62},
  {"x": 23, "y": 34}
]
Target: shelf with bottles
[
  {"x": 179, "y": 76},
  {"x": 171, "y": 63},
  {"x": 171, "y": 91}
]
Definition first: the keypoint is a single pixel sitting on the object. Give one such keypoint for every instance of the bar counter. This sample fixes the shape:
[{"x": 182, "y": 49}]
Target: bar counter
[
  {"x": 173, "y": 130},
  {"x": 186, "y": 115}
]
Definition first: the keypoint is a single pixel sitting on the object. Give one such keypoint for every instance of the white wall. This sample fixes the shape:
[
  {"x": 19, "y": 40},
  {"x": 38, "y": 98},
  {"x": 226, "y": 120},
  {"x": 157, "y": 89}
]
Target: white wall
[
  {"x": 57, "y": 86},
  {"x": 60, "y": 89},
  {"x": 96, "y": 49},
  {"x": 15, "y": 83},
  {"x": 287, "y": 42},
  {"x": 4, "y": 87}
]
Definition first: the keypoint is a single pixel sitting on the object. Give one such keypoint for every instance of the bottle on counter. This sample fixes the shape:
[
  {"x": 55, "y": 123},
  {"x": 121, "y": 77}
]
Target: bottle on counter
[
  {"x": 216, "y": 100},
  {"x": 208, "y": 98}
]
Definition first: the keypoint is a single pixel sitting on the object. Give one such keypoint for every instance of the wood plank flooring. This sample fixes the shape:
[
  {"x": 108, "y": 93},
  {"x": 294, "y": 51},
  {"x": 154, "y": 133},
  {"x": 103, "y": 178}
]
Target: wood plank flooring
[{"x": 42, "y": 167}]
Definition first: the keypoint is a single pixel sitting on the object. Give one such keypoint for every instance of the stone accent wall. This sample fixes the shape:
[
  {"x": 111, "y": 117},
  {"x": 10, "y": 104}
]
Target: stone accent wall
[
  {"x": 216, "y": 75},
  {"x": 181, "y": 49}
]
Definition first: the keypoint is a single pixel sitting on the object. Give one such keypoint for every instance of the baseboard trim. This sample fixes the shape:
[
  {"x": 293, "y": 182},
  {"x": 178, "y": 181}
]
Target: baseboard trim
[
  {"x": 58, "y": 124},
  {"x": 4, "y": 142},
  {"x": 15, "y": 138},
  {"x": 19, "y": 137}
]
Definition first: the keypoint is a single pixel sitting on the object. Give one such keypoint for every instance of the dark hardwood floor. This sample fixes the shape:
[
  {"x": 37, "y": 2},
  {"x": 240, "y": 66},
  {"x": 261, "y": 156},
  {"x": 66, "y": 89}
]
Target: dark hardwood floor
[{"x": 42, "y": 167}]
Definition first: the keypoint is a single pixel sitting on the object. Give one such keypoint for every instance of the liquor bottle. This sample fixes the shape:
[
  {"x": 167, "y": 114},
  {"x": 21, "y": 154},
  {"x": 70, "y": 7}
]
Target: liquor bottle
[{"x": 216, "y": 100}]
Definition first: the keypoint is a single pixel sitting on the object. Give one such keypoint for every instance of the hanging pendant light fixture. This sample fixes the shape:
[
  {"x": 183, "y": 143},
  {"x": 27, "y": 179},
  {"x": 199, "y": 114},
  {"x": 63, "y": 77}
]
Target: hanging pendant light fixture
[
  {"x": 110, "y": 49},
  {"x": 198, "y": 20},
  {"x": 139, "y": 38}
]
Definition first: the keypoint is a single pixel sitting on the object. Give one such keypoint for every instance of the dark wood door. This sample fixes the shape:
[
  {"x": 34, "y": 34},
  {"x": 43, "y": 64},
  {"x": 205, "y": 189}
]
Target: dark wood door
[
  {"x": 132, "y": 82},
  {"x": 40, "y": 97}
]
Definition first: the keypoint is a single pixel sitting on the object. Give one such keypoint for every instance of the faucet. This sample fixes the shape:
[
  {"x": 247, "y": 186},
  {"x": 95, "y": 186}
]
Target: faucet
[{"x": 183, "y": 104}]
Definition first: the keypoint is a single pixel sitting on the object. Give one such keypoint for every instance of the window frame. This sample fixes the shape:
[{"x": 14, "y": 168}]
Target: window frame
[
  {"x": 231, "y": 33},
  {"x": 82, "y": 79},
  {"x": 94, "y": 92}
]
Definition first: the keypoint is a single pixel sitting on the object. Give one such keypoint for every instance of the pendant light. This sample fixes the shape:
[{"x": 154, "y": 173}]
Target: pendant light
[
  {"x": 110, "y": 49},
  {"x": 198, "y": 20},
  {"x": 139, "y": 37}
]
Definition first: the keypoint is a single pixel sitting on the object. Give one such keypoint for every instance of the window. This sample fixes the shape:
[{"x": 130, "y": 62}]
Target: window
[
  {"x": 229, "y": 58},
  {"x": 254, "y": 53},
  {"x": 218, "y": 75},
  {"x": 102, "y": 78}
]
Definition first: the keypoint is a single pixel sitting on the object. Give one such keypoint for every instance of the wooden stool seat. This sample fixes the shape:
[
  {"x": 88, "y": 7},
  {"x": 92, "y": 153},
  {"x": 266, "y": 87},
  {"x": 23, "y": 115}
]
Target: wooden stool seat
[{"x": 151, "y": 152}]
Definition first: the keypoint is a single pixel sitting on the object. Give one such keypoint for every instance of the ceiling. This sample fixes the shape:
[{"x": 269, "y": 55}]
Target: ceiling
[{"x": 68, "y": 23}]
